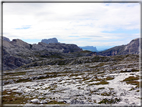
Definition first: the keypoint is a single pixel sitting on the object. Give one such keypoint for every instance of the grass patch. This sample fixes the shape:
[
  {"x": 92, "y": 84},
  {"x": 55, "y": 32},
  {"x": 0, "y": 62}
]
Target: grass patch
[
  {"x": 133, "y": 70},
  {"x": 97, "y": 79},
  {"x": 132, "y": 80},
  {"x": 56, "y": 102},
  {"x": 109, "y": 78},
  {"x": 103, "y": 82},
  {"x": 15, "y": 73},
  {"x": 91, "y": 84},
  {"x": 110, "y": 101},
  {"x": 101, "y": 88},
  {"x": 92, "y": 80},
  {"x": 85, "y": 78},
  {"x": 108, "y": 93},
  {"x": 10, "y": 97}
]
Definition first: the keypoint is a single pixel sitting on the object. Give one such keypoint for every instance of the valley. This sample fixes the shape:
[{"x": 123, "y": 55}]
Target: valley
[{"x": 63, "y": 74}]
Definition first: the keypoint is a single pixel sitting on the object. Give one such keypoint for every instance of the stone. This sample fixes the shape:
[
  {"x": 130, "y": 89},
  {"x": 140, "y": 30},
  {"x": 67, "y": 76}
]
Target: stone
[{"x": 35, "y": 101}]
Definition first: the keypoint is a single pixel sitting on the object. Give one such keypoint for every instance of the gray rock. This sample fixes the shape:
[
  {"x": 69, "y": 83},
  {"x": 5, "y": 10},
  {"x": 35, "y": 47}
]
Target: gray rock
[
  {"x": 17, "y": 52},
  {"x": 77, "y": 102},
  {"x": 35, "y": 101},
  {"x": 6, "y": 39},
  {"x": 130, "y": 48},
  {"x": 52, "y": 40},
  {"x": 43, "y": 102}
]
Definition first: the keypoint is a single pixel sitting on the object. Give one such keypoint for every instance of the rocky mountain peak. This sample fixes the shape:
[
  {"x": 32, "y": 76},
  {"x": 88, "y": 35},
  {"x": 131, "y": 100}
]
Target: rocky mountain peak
[
  {"x": 20, "y": 43},
  {"x": 130, "y": 48},
  {"x": 6, "y": 39},
  {"x": 133, "y": 46},
  {"x": 47, "y": 41}
]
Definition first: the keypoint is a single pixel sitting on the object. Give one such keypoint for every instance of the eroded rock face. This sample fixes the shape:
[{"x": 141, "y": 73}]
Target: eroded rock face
[
  {"x": 12, "y": 62},
  {"x": 131, "y": 48},
  {"x": 19, "y": 43},
  {"x": 65, "y": 48},
  {"x": 17, "y": 52},
  {"x": 52, "y": 40}
]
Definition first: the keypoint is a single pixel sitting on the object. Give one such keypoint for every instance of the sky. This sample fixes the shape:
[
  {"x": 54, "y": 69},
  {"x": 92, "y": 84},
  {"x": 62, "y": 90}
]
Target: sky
[{"x": 102, "y": 25}]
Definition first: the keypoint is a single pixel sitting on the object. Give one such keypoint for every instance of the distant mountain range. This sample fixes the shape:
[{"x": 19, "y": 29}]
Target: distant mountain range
[
  {"x": 17, "y": 53},
  {"x": 90, "y": 48}
]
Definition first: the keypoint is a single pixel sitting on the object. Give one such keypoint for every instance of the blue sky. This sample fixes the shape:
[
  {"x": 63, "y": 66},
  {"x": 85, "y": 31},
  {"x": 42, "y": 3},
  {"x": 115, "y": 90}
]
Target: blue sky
[
  {"x": 24, "y": 27},
  {"x": 86, "y": 24}
]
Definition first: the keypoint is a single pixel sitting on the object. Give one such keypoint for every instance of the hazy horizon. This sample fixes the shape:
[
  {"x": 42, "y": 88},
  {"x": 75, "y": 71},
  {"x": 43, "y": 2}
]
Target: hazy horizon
[
  {"x": 99, "y": 48},
  {"x": 100, "y": 25}
]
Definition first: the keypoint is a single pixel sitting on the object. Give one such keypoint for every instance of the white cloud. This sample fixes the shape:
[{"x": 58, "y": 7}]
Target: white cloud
[{"x": 63, "y": 20}]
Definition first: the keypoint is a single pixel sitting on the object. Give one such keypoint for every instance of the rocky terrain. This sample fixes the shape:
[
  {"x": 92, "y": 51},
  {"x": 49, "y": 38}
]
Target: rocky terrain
[
  {"x": 58, "y": 73},
  {"x": 109, "y": 80},
  {"x": 17, "y": 52},
  {"x": 130, "y": 48}
]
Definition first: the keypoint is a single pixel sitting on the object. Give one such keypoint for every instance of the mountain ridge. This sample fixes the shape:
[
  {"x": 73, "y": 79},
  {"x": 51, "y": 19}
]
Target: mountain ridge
[
  {"x": 131, "y": 48},
  {"x": 89, "y": 48},
  {"x": 17, "y": 53}
]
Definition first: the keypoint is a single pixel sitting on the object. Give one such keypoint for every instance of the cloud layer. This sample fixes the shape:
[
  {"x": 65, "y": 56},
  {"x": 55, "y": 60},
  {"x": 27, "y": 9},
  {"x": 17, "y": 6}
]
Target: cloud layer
[{"x": 94, "y": 24}]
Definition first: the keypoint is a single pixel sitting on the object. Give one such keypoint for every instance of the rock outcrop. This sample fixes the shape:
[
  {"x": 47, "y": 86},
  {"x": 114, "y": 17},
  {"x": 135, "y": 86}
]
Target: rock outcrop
[
  {"x": 6, "y": 39},
  {"x": 61, "y": 47},
  {"x": 131, "y": 48},
  {"x": 17, "y": 52},
  {"x": 52, "y": 40}
]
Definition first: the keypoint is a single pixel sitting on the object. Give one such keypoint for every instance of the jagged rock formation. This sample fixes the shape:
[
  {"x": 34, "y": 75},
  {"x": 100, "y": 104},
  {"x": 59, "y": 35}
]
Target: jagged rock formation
[
  {"x": 90, "y": 48},
  {"x": 65, "y": 48},
  {"x": 52, "y": 40},
  {"x": 12, "y": 62},
  {"x": 130, "y": 48},
  {"x": 17, "y": 52}
]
